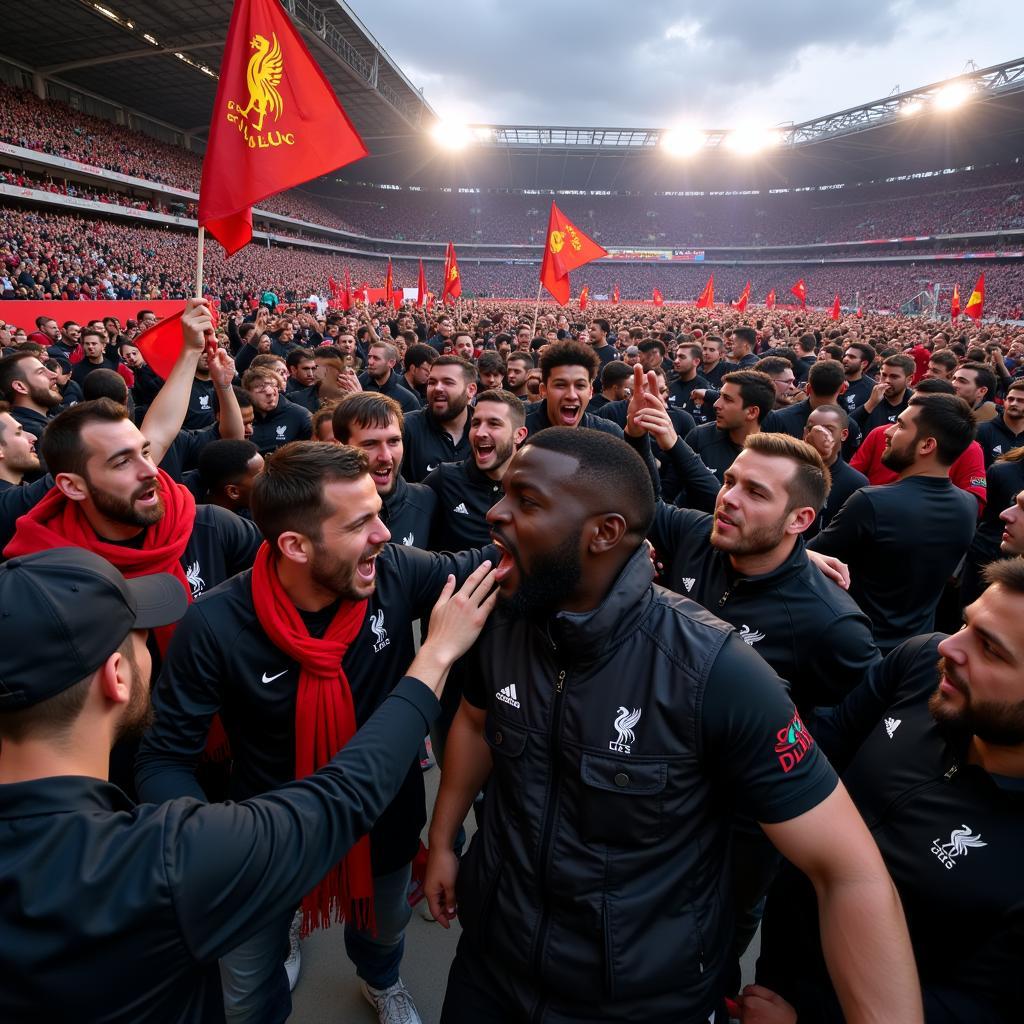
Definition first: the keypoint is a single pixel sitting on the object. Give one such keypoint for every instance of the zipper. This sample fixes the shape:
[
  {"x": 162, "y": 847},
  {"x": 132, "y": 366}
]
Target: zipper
[
  {"x": 549, "y": 819},
  {"x": 723, "y": 599}
]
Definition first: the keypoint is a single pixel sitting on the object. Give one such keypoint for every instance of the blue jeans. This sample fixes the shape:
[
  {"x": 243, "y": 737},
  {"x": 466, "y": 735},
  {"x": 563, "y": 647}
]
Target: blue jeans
[{"x": 252, "y": 975}]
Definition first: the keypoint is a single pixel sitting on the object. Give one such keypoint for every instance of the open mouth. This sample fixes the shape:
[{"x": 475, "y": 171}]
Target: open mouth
[
  {"x": 148, "y": 497},
  {"x": 382, "y": 475},
  {"x": 483, "y": 451},
  {"x": 366, "y": 569},
  {"x": 507, "y": 565},
  {"x": 569, "y": 414}
]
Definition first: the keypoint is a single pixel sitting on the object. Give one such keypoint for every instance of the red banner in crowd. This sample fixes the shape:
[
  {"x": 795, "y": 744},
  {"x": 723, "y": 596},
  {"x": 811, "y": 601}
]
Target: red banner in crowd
[{"x": 24, "y": 314}]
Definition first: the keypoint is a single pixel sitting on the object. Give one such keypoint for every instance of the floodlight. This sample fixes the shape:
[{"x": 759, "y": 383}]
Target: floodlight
[
  {"x": 682, "y": 141},
  {"x": 954, "y": 95},
  {"x": 746, "y": 141},
  {"x": 450, "y": 135}
]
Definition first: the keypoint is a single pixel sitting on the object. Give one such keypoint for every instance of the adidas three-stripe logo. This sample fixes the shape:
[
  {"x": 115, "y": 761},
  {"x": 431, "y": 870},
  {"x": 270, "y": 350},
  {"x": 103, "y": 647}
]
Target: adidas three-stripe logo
[
  {"x": 461, "y": 509},
  {"x": 508, "y": 695}
]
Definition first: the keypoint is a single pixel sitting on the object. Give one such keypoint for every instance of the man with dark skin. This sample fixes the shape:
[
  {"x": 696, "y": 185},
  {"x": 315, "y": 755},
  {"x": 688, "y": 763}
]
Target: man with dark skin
[{"x": 578, "y": 606}]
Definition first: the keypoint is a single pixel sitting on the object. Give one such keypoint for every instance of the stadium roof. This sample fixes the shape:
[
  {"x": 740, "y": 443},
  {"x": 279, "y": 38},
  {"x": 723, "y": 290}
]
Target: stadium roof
[{"x": 161, "y": 57}]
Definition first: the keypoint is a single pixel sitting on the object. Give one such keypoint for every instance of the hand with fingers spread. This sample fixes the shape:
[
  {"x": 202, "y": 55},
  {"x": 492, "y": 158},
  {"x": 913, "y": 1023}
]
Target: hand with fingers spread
[
  {"x": 222, "y": 368},
  {"x": 657, "y": 422},
  {"x": 455, "y": 623}
]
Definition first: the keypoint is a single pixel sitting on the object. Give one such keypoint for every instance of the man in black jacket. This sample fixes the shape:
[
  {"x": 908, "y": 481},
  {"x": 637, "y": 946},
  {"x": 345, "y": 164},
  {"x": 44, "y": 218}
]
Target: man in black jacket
[
  {"x": 318, "y": 508},
  {"x": 889, "y": 397},
  {"x": 277, "y": 421},
  {"x": 746, "y": 400},
  {"x": 620, "y": 725},
  {"x": 381, "y": 376},
  {"x": 904, "y": 540},
  {"x": 126, "y": 908},
  {"x": 467, "y": 490},
  {"x": 826, "y": 384},
  {"x": 934, "y": 760},
  {"x": 440, "y": 431},
  {"x": 374, "y": 423},
  {"x": 825, "y": 430},
  {"x": 1004, "y": 432}
]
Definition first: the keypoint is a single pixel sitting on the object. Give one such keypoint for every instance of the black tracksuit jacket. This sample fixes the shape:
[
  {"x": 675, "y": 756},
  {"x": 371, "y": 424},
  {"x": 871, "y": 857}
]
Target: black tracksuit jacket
[
  {"x": 807, "y": 628},
  {"x": 951, "y": 836},
  {"x": 409, "y": 512},
  {"x": 428, "y": 444},
  {"x": 220, "y": 660},
  {"x": 464, "y": 497},
  {"x": 116, "y": 912}
]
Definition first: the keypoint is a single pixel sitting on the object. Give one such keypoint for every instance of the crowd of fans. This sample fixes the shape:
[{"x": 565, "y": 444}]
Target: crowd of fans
[{"x": 988, "y": 199}]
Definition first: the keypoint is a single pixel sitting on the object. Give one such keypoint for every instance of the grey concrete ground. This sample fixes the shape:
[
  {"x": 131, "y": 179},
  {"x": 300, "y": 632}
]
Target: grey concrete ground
[{"x": 328, "y": 990}]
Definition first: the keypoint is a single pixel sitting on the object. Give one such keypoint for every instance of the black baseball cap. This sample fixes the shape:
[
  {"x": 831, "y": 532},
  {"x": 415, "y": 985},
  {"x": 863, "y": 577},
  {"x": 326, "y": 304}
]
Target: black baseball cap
[{"x": 64, "y": 611}]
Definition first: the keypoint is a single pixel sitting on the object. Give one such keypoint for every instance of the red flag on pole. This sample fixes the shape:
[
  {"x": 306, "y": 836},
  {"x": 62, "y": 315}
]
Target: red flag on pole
[
  {"x": 161, "y": 344},
  {"x": 389, "y": 287},
  {"x": 421, "y": 287},
  {"x": 976, "y": 303},
  {"x": 657, "y": 297},
  {"x": 769, "y": 300},
  {"x": 346, "y": 295},
  {"x": 954, "y": 303},
  {"x": 452, "y": 287},
  {"x": 741, "y": 303},
  {"x": 584, "y": 296},
  {"x": 707, "y": 297},
  {"x": 276, "y": 122},
  {"x": 615, "y": 295},
  {"x": 800, "y": 291},
  {"x": 835, "y": 307},
  {"x": 566, "y": 249}
]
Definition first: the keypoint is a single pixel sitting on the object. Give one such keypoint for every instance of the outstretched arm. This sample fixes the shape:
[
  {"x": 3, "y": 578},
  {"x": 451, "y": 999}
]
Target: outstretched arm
[
  {"x": 863, "y": 932},
  {"x": 167, "y": 411}
]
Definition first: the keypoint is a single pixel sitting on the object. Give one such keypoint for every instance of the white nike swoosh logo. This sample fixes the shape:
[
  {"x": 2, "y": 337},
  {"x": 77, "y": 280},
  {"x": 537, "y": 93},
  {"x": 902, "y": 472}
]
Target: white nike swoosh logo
[{"x": 270, "y": 679}]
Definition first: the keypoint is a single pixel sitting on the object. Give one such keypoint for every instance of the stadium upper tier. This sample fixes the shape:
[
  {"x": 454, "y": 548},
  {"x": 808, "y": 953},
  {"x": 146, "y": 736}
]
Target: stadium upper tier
[
  {"x": 69, "y": 256},
  {"x": 984, "y": 200}
]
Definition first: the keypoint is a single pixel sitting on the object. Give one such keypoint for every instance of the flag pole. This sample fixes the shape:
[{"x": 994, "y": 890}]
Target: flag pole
[
  {"x": 536, "y": 309},
  {"x": 199, "y": 263}
]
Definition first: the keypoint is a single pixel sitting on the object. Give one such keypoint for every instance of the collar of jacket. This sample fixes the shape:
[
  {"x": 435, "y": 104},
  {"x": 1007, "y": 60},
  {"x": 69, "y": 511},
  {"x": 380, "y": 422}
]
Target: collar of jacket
[
  {"x": 60, "y": 795},
  {"x": 792, "y": 566},
  {"x": 587, "y": 635}
]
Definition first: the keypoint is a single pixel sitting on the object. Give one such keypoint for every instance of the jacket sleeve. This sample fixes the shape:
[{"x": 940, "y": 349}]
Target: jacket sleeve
[
  {"x": 239, "y": 539},
  {"x": 185, "y": 699},
  {"x": 234, "y": 866},
  {"x": 842, "y": 656},
  {"x": 642, "y": 446},
  {"x": 670, "y": 527},
  {"x": 700, "y": 485},
  {"x": 849, "y": 529}
]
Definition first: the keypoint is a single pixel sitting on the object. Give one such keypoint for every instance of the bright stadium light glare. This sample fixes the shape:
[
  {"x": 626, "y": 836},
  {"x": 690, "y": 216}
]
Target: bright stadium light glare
[
  {"x": 747, "y": 141},
  {"x": 911, "y": 108},
  {"x": 682, "y": 141},
  {"x": 449, "y": 135},
  {"x": 954, "y": 95}
]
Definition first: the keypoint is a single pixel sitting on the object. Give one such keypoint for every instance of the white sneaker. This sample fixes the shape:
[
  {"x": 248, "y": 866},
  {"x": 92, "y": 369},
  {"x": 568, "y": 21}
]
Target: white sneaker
[
  {"x": 394, "y": 1005},
  {"x": 293, "y": 964}
]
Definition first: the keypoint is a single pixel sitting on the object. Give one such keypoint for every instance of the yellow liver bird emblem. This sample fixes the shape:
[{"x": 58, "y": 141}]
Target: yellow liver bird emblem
[{"x": 263, "y": 76}]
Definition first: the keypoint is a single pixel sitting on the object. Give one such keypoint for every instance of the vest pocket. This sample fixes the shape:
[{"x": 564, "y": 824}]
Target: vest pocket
[
  {"x": 621, "y": 802},
  {"x": 507, "y": 744}
]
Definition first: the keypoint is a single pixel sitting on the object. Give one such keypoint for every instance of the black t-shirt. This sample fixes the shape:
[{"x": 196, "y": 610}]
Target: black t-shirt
[
  {"x": 902, "y": 541},
  {"x": 200, "y": 405}
]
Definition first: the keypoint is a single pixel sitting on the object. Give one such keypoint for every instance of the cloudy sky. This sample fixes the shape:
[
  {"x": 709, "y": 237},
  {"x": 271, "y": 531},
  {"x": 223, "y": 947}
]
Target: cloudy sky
[{"x": 664, "y": 63}]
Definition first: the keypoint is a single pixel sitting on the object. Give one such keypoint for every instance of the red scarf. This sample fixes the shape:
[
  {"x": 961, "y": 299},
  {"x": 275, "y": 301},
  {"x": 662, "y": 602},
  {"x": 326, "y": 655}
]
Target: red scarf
[
  {"x": 325, "y": 720},
  {"x": 59, "y": 522}
]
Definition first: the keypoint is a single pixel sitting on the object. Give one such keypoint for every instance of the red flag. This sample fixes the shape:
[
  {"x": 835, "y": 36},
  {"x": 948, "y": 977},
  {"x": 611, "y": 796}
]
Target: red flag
[
  {"x": 615, "y": 295},
  {"x": 161, "y": 344},
  {"x": 741, "y": 303},
  {"x": 584, "y": 295},
  {"x": 835, "y": 307},
  {"x": 276, "y": 122},
  {"x": 346, "y": 295},
  {"x": 389, "y": 287},
  {"x": 452, "y": 287},
  {"x": 430, "y": 301},
  {"x": 769, "y": 300},
  {"x": 421, "y": 287},
  {"x": 800, "y": 291},
  {"x": 567, "y": 248},
  {"x": 707, "y": 297},
  {"x": 954, "y": 303},
  {"x": 976, "y": 303},
  {"x": 658, "y": 300},
  {"x": 860, "y": 313}
]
